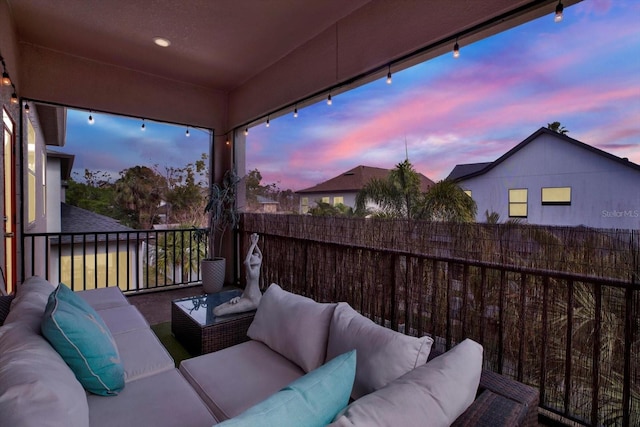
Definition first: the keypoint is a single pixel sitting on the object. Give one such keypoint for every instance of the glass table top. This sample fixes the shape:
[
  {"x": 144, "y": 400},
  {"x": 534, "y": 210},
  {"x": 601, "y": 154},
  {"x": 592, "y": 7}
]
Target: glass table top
[{"x": 200, "y": 307}]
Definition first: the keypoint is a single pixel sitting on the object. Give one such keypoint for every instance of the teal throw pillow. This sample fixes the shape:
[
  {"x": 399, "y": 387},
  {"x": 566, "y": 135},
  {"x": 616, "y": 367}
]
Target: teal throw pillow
[
  {"x": 80, "y": 336},
  {"x": 310, "y": 401}
]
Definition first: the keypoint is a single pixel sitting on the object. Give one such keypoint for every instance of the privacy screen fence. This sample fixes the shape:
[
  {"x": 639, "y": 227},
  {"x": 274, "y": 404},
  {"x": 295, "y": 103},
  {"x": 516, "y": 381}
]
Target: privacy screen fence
[{"x": 554, "y": 307}]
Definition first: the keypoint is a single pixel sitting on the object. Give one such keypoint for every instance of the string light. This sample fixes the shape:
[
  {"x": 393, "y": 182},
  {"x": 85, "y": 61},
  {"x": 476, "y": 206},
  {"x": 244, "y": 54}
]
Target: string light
[
  {"x": 267, "y": 121},
  {"x": 295, "y": 112},
  {"x": 228, "y": 143},
  {"x": 329, "y": 101},
  {"x": 559, "y": 10},
  {"x": 187, "y": 134},
  {"x": 456, "y": 49},
  {"x": 14, "y": 98},
  {"x": 143, "y": 127},
  {"x": 27, "y": 110},
  {"x": 90, "y": 120},
  {"x": 389, "y": 76},
  {"x": 246, "y": 131},
  {"x": 5, "y": 78}
]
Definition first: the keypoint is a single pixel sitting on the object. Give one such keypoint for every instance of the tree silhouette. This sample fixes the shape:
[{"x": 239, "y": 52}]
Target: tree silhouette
[{"x": 557, "y": 127}]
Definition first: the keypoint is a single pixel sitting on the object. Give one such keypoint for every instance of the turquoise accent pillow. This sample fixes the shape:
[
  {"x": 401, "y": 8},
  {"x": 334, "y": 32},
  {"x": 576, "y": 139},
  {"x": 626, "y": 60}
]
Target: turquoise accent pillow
[
  {"x": 312, "y": 400},
  {"x": 80, "y": 336}
]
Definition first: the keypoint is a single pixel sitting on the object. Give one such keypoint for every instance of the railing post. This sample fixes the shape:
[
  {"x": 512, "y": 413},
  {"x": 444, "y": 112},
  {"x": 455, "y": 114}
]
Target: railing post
[
  {"x": 595, "y": 363},
  {"x": 568, "y": 361},
  {"x": 628, "y": 340}
]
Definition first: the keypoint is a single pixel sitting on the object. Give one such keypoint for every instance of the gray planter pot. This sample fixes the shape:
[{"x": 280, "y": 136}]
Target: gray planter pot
[{"x": 213, "y": 273}]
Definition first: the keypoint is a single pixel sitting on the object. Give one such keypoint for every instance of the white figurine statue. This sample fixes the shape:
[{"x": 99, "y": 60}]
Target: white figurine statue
[{"x": 250, "y": 298}]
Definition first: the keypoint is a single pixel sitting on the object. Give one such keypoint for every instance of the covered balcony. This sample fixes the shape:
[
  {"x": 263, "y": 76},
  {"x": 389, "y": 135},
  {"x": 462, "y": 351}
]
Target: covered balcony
[{"x": 571, "y": 332}]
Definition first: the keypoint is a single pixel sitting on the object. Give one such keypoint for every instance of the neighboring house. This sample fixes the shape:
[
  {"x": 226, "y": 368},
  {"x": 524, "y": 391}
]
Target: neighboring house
[
  {"x": 96, "y": 259},
  {"x": 343, "y": 188},
  {"x": 267, "y": 205},
  {"x": 552, "y": 179},
  {"x": 107, "y": 253}
]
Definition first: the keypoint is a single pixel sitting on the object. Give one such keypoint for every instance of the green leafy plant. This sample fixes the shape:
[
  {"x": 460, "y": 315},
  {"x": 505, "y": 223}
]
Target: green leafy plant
[{"x": 222, "y": 211}]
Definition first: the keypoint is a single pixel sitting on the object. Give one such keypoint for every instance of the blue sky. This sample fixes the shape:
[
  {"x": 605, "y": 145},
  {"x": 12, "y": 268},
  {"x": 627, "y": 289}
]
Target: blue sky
[{"x": 583, "y": 72}]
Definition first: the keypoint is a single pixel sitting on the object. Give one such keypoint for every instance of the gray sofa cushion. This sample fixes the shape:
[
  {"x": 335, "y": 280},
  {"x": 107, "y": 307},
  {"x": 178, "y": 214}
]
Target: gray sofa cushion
[
  {"x": 37, "y": 388},
  {"x": 297, "y": 327},
  {"x": 383, "y": 354},
  {"x": 102, "y": 298},
  {"x": 161, "y": 400},
  {"x": 30, "y": 301},
  {"x": 432, "y": 395},
  {"x": 142, "y": 354},
  {"x": 232, "y": 380},
  {"x": 123, "y": 319}
]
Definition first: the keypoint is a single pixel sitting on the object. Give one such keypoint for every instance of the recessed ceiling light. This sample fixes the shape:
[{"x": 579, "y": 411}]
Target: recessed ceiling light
[{"x": 161, "y": 42}]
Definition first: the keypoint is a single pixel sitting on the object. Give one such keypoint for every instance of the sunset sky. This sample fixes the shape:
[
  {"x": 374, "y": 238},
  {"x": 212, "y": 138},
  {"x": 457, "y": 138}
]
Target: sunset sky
[{"x": 583, "y": 72}]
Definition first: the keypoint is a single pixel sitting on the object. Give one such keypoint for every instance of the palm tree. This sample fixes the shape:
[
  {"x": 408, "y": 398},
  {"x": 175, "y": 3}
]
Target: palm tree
[
  {"x": 398, "y": 196},
  {"x": 557, "y": 127},
  {"x": 447, "y": 202},
  {"x": 179, "y": 250}
]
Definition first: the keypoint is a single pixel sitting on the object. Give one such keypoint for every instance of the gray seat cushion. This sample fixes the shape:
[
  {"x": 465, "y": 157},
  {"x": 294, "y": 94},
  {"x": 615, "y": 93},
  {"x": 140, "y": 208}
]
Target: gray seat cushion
[
  {"x": 161, "y": 400},
  {"x": 123, "y": 319},
  {"x": 232, "y": 380},
  {"x": 142, "y": 354},
  {"x": 103, "y": 298}
]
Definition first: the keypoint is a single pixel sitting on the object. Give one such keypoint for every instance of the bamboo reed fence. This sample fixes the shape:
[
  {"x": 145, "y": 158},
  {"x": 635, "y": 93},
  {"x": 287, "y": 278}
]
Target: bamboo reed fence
[{"x": 554, "y": 307}]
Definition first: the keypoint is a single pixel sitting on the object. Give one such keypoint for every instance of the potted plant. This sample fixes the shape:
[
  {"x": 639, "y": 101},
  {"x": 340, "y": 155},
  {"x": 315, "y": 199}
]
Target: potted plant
[{"x": 223, "y": 214}]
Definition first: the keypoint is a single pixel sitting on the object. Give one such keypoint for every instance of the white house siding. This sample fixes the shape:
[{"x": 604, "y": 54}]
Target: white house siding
[{"x": 604, "y": 192}]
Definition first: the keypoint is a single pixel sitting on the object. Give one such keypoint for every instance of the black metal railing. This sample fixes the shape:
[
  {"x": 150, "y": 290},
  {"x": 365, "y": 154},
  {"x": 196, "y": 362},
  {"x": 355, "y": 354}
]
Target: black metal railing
[
  {"x": 574, "y": 334},
  {"x": 134, "y": 261}
]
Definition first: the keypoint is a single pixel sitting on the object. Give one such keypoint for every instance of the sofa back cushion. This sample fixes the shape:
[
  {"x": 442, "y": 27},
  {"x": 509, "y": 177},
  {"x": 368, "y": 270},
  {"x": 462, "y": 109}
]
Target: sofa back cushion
[
  {"x": 37, "y": 388},
  {"x": 297, "y": 327},
  {"x": 432, "y": 395},
  {"x": 310, "y": 401},
  {"x": 80, "y": 336},
  {"x": 383, "y": 354},
  {"x": 30, "y": 301}
]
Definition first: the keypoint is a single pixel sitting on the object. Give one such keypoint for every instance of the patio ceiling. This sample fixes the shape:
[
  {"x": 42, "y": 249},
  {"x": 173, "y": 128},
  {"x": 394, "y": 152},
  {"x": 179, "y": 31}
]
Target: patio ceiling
[{"x": 236, "y": 60}]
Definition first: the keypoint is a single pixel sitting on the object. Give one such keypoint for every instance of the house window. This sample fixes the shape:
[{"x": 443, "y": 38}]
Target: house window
[
  {"x": 338, "y": 200},
  {"x": 31, "y": 172},
  {"x": 325, "y": 199},
  {"x": 304, "y": 203},
  {"x": 556, "y": 196},
  {"x": 518, "y": 203}
]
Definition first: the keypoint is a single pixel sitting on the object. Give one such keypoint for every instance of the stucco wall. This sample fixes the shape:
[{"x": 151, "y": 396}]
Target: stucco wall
[{"x": 604, "y": 193}]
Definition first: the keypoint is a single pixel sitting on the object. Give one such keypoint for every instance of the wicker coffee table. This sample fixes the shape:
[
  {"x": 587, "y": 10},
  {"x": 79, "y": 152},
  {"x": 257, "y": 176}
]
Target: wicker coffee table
[{"x": 200, "y": 331}]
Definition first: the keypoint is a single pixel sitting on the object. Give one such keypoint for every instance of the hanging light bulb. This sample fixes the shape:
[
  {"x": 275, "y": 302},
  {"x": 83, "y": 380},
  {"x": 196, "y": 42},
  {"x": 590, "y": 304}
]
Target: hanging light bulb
[
  {"x": 143, "y": 127},
  {"x": 246, "y": 131},
  {"x": 559, "y": 10},
  {"x": 228, "y": 143},
  {"x": 329, "y": 101},
  {"x": 389, "y": 76},
  {"x": 14, "y": 98},
  {"x": 267, "y": 121},
  {"x": 187, "y": 134},
  {"x": 5, "y": 79},
  {"x": 27, "y": 110},
  {"x": 90, "y": 120},
  {"x": 456, "y": 49},
  {"x": 295, "y": 112}
]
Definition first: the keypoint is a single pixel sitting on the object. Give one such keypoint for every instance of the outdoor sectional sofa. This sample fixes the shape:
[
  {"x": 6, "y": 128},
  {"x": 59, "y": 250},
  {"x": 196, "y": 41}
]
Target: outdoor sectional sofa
[{"x": 303, "y": 362}]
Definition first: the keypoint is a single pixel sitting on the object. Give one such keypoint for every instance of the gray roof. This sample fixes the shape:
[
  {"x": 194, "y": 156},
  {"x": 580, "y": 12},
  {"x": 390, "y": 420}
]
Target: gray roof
[
  {"x": 474, "y": 169},
  {"x": 466, "y": 169},
  {"x": 266, "y": 200},
  {"x": 97, "y": 227},
  {"x": 78, "y": 220}
]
